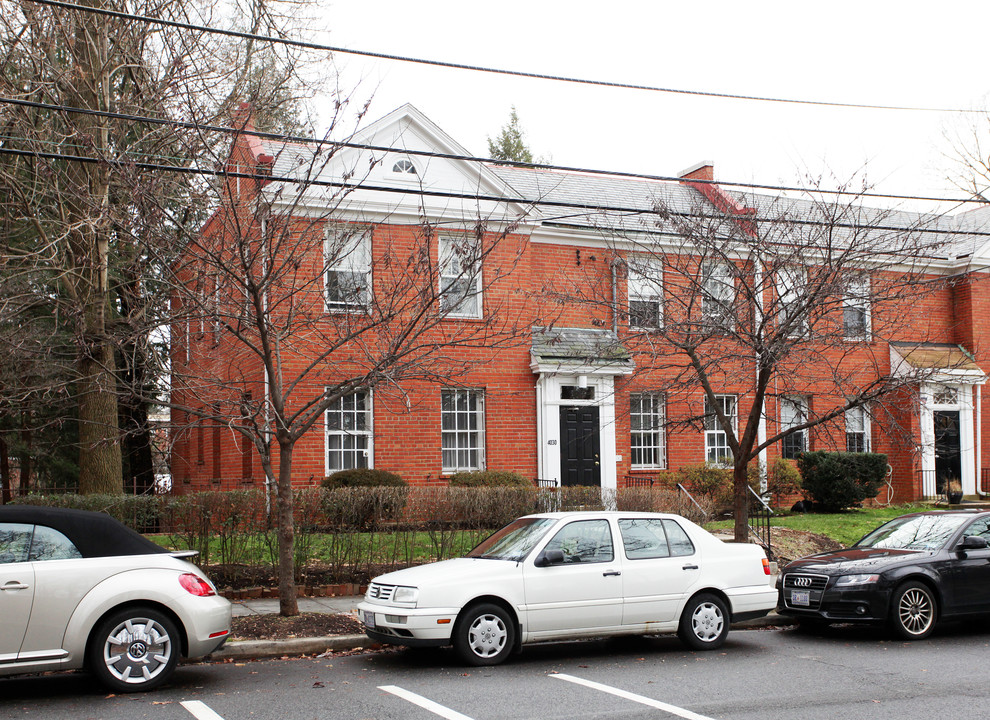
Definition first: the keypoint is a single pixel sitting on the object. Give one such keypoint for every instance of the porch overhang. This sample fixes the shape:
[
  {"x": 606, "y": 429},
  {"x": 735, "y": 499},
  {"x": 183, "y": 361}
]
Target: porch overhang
[
  {"x": 935, "y": 362},
  {"x": 579, "y": 351}
]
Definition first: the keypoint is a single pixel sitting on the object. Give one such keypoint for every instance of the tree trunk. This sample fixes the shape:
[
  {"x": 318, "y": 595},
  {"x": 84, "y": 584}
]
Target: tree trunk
[
  {"x": 99, "y": 437},
  {"x": 740, "y": 501},
  {"x": 287, "y": 604},
  {"x": 4, "y": 468}
]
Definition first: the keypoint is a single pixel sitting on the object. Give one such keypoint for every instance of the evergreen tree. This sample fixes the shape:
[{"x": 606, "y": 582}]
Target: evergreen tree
[{"x": 509, "y": 145}]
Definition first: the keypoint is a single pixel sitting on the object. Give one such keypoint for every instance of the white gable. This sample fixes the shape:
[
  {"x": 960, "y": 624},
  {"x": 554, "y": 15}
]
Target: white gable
[{"x": 380, "y": 176}]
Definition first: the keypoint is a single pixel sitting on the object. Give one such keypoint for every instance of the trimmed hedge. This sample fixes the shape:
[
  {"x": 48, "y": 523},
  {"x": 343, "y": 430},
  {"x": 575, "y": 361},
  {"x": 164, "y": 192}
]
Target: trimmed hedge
[
  {"x": 836, "y": 481},
  {"x": 362, "y": 477},
  {"x": 489, "y": 478}
]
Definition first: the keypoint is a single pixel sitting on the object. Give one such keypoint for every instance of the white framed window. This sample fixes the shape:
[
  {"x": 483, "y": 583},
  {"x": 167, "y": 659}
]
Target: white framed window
[
  {"x": 857, "y": 430},
  {"x": 462, "y": 429},
  {"x": 791, "y": 284},
  {"x": 717, "y": 449},
  {"x": 460, "y": 276},
  {"x": 856, "y": 308},
  {"x": 348, "y": 260},
  {"x": 647, "y": 442},
  {"x": 645, "y": 287},
  {"x": 718, "y": 295},
  {"x": 793, "y": 412},
  {"x": 349, "y": 432},
  {"x": 945, "y": 395},
  {"x": 404, "y": 166}
]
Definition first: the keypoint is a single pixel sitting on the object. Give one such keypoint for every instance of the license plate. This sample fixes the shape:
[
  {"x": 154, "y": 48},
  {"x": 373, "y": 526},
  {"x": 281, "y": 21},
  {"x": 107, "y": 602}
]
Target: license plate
[
  {"x": 369, "y": 618},
  {"x": 800, "y": 597}
]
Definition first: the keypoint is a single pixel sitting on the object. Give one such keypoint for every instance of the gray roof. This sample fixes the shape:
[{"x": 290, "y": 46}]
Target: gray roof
[{"x": 579, "y": 345}]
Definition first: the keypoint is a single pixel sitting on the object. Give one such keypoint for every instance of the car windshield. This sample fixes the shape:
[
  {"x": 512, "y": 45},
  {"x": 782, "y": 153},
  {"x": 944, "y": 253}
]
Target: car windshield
[
  {"x": 915, "y": 532},
  {"x": 514, "y": 541}
]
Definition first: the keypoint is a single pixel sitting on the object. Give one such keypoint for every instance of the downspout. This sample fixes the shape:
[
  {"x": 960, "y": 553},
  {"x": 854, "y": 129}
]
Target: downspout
[
  {"x": 979, "y": 442},
  {"x": 615, "y": 295}
]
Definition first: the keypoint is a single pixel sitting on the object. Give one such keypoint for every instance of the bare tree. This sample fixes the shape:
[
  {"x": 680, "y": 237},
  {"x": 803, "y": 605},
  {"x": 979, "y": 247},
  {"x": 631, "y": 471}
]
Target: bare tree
[
  {"x": 759, "y": 301},
  {"x": 287, "y": 302},
  {"x": 87, "y": 104}
]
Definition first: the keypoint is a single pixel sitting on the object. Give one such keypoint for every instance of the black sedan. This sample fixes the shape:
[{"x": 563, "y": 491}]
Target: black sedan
[{"x": 909, "y": 573}]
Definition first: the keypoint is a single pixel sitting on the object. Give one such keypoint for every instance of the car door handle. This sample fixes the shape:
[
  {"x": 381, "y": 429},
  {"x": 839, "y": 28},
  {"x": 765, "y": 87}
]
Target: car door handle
[
  {"x": 14, "y": 585},
  {"x": 689, "y": 567},
  {"x": 610, "y": 572}
]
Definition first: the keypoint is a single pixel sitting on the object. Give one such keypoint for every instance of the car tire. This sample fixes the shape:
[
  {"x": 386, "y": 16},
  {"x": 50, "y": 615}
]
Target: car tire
[
  {"x": 134, "y": 649},
  {"x": 704, "y": 622},
  {"x": 913, "y": 611},
  {"x": 484, "y": 635}
]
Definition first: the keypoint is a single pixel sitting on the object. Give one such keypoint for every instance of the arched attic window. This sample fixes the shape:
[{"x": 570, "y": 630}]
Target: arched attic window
[{"x": 404, "y": 166}]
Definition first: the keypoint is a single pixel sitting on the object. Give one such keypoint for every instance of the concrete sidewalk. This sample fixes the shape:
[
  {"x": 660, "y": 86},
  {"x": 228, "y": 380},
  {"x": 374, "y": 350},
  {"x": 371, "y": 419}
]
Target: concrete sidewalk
[{"x": 258, "y": 649}]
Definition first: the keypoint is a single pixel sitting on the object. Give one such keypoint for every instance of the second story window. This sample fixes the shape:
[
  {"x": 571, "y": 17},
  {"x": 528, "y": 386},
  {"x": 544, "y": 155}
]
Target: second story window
[
  {"x": 791, "y": 284},
  {"x": 856, "y": 308},
  {"x": 348, "y": 262},
  {"x": 645, "y": 294},
  {"x": 718, "y": 294},
  {"x": 460, "y": 276}
]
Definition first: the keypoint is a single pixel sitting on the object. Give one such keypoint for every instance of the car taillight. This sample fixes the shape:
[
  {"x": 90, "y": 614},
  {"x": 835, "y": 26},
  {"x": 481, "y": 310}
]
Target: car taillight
[
  {"x": 195, "y": 585},
  {"x": 766, "y": 566}
]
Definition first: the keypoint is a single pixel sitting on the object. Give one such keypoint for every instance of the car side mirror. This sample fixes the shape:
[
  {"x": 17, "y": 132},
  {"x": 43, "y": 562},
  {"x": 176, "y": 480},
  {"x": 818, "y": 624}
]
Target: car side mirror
[
  {"x": 972, "y": 542},
  {"x": 549, "y": 557}
]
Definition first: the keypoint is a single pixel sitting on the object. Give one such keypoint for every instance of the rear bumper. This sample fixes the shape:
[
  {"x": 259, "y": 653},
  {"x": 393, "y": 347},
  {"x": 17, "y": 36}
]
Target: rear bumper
[{"x": 751, "y": 602}]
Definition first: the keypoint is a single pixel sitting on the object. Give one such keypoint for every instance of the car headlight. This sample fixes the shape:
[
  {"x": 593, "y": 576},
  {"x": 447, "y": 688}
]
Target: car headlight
[
  {"x": 847, "y": 580},
  {"x": 405, "y": 594}
]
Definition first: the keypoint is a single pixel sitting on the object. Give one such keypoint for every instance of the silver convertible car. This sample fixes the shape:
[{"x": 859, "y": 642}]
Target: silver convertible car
[
  {"x": 571, "y": 575},
  {"x": 80, "y": 590}
]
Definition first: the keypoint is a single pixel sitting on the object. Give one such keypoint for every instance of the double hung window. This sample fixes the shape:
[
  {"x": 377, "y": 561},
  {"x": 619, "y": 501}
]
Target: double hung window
[
  {"x": 717, "y": 449},
  {"x": 793, "y": 412},
  {"x": 791, "y": 284},
  {"x": 646, "y": 432},
  {"x": 645, "y": 286},
  {"x": 460, "y": 276},
  {"x": 462, "y": 434},
  {"x": 348, "y": 261},
  {"x": 718, "y": 296},
  {"x": 857, "y": 430},
  {"x": 856, "y": 308},
  {"x": 349, "y": 438}
]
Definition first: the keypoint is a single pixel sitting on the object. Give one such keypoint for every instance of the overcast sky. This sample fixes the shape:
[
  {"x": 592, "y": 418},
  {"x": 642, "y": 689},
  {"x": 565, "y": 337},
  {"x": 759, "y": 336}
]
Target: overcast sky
[{"x": 869, "y": 51}]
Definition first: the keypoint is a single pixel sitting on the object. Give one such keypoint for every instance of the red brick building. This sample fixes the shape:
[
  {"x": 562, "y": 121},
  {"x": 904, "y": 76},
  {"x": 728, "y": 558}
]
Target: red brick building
[{"x": 603, "y": 298}]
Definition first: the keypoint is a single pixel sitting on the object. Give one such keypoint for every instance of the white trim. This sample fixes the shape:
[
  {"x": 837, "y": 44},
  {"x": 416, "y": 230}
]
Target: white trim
[
  {"x": 368, "y": 432},
  {"x": 967, "y": 445},
  {"x": 548, "y": 404}
]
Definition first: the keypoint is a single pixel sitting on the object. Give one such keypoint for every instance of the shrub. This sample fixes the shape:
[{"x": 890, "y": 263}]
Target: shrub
[
  {"x": 362, "y": 477},
  {"x": 364, "y": 508},
  {"x": 783, "y": 479},
  {"x": 836, "y": 481},
  {"x": 489, "y": 478}
]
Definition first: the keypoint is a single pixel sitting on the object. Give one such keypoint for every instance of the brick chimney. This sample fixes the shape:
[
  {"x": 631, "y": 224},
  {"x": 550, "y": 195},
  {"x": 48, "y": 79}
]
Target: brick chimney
[{"x": 701, "y": 177}]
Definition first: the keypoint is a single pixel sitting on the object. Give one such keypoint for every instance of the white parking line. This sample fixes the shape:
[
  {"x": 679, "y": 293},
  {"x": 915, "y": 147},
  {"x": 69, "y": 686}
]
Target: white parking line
[
  {"x": 435, "y": 708},
  {"x": 200, "y": 710},
  {"x": 673, "y": 709}
]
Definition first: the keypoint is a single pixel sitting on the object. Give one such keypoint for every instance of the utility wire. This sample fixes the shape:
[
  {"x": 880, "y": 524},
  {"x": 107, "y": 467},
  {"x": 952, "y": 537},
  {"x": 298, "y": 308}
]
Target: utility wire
[
  {"x": 320, "y": 143},
  {"x": 476, "y": 197},
  {"x": 480, "y": 68}
]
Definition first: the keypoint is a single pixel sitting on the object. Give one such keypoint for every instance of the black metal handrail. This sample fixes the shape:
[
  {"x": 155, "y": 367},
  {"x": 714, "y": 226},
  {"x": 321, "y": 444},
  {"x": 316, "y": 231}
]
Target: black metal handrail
[{"x": 759, "y": 521}]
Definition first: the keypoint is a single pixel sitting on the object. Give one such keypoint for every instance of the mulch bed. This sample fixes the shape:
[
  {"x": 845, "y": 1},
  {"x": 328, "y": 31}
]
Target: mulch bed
[{"x": 276, "y": 627}]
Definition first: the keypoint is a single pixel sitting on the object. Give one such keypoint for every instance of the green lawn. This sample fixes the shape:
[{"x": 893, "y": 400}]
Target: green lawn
[{"x": 846, "y": 527}]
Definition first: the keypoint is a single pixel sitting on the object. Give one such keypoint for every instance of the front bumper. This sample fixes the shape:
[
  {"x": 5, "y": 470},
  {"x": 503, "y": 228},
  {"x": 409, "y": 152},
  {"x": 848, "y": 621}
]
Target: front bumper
[
  {"x": 855, "y": 604},
  {"x": 414, "y": 627}
]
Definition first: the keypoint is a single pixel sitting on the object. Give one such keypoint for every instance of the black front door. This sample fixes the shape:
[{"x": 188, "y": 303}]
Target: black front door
[
  {"x": 948, "y": 463},
  {"x": 580, "y": 456}
]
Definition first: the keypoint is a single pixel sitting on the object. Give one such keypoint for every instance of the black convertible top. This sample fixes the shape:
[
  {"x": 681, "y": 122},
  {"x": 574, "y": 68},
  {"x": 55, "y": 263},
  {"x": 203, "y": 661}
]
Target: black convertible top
[{"x": 94, "y": 534}]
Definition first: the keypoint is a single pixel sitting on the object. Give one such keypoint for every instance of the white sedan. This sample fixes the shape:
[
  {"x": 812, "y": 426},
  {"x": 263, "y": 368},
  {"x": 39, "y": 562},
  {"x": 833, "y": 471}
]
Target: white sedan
[
  {"x": 571, "y": 575},
  {"x": 80, "y": 590}
]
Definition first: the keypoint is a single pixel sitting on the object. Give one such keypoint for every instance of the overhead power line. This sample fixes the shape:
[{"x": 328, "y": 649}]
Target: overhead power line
[
  {"x": 478, "y": 197},
  {"x": 481, "y": 68},
  {"x": 320, "y": 143}
]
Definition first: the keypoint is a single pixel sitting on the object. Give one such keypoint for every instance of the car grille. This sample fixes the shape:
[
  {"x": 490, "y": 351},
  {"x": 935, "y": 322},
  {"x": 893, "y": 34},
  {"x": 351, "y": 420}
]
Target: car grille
[
  {"x": 380, "y": 592},
  {"x": 814, "y": 585}
]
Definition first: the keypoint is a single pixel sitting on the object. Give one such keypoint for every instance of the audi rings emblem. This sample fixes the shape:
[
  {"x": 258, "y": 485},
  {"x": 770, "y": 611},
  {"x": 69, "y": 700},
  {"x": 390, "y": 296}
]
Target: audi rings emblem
[{"x": 802, "y": 582}]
